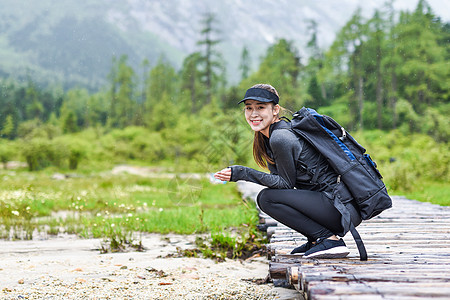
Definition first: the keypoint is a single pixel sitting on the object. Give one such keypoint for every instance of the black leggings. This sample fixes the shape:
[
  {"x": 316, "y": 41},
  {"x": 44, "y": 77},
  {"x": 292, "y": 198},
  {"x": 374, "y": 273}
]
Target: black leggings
[{"x": 308, "y": 212}]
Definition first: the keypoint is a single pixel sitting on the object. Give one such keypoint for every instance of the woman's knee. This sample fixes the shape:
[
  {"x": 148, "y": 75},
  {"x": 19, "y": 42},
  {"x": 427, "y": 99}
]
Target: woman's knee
[{"x": 263, "y": 199}]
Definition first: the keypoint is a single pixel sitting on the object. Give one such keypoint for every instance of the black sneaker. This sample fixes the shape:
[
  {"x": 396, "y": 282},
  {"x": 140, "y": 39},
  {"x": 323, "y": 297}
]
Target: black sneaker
[
  {"x": 327, "y": 248},
  {"x": 302, "y": 249}
]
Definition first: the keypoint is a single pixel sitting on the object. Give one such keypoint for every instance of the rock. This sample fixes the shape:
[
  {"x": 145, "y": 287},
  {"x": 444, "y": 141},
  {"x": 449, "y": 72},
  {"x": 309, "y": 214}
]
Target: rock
[{"x": 58, "y": 176}]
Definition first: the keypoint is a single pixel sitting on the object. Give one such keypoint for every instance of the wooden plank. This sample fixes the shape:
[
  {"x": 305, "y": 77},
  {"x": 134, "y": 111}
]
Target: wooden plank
[
  {"x": 386, "y": 289},
  {"x": 375, "y": 259},
  {"x": 278, "y": 271},
  {"x": 371, "y": 297},
  {"x": 383, "y": 276},
  {"x": 408, "y": 258}
]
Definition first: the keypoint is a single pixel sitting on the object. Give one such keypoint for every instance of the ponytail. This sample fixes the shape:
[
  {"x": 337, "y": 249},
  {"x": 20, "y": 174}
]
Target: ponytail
[{"x": 259, "y": 151}]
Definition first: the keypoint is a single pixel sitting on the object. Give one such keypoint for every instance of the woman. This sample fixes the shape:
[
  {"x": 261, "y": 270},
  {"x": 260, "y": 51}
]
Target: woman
[{"x": 297, "y": 195}]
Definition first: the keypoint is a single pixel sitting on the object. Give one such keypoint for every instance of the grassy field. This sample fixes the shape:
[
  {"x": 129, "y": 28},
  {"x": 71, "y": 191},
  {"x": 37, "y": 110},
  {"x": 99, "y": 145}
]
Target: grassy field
[
  {"x": 105, "y": 205},
  {"x": 430, "y": 191}
]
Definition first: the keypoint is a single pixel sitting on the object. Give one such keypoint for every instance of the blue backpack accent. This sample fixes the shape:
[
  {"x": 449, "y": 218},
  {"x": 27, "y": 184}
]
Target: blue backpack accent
[{"x": 348, "y": 159}]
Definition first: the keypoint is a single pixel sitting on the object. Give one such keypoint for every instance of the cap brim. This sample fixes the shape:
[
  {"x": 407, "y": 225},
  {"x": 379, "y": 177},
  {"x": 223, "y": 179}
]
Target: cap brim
[{"x": 260, "y": 99}]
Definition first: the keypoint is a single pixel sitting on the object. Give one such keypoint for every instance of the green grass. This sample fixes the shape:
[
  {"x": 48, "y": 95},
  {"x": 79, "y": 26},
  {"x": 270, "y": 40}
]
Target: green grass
[
  {"x": 429, "y": 191},
  {"x": 96, "y": 205}
]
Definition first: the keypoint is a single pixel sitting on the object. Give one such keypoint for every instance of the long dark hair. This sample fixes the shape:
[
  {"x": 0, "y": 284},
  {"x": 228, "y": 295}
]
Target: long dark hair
[{"x": 259, "y": 149}]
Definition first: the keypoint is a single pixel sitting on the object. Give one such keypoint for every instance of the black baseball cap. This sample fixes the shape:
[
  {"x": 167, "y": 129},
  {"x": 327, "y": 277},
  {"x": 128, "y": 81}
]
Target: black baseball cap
[{"x": 261, "y": 95}]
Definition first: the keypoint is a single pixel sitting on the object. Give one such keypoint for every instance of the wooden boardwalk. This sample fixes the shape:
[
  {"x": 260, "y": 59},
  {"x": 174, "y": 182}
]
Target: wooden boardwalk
[{"x": 409, "y": 257}]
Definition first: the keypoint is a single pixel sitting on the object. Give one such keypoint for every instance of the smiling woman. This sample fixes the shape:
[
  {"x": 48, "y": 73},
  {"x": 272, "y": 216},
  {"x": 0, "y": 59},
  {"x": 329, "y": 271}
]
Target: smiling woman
[
  {"x": 260, "y": 115},
  {"x": 297, "y": 196}
]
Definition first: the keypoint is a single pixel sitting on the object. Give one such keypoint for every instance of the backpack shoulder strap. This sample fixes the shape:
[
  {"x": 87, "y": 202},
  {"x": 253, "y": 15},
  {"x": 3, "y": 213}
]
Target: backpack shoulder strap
[
  {"x": 359, "y": 242},
  {"x": 348, "y": 226}
]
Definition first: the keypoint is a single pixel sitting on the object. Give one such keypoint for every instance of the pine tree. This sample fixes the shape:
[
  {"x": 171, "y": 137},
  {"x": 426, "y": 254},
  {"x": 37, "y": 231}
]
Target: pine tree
[
  {"x": 122, "y": 92},
  {"x": 390, "y": 63},
  {"x": 34, "y": 108},
  {"x": 8, "y": 127},
  {"x": 316, "y": 91},
  {"x": 161, "y": 90},
  {"x": 191, "y": 81},
  {"x": 211, "y": 60},
  {"x": 374, "y": 52},
  {"x": 344, "y": 66},
  {"x": 244, "y": 66},
  {"x": 70, "y": 122},
  {"x": 423, "y": 73},
  {"x": 281, "y": 68}
]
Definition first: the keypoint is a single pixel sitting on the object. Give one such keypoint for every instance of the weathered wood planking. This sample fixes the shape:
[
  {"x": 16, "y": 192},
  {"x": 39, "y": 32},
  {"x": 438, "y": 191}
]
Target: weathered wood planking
[{"x": 409, "y": 257}]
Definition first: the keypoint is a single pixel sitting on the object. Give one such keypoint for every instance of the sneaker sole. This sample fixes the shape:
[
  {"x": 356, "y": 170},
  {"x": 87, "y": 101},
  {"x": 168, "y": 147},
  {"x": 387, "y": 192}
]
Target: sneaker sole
[{"x": 336, "y": 252}]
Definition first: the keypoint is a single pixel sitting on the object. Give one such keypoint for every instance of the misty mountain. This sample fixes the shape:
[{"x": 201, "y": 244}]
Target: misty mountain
[{"x": 73, "y": 42}]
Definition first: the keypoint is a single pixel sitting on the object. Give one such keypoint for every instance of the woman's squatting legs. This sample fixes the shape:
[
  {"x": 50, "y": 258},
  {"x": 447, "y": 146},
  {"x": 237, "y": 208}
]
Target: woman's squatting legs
[{"x": 308, "y": 212}]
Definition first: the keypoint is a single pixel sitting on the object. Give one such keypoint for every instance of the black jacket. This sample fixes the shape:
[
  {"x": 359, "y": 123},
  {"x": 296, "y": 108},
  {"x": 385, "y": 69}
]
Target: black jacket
[{"x": 296, "y": 163}]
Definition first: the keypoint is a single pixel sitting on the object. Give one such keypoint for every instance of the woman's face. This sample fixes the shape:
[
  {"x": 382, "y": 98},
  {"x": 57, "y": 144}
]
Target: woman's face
[{"x": 260, "y": 115}]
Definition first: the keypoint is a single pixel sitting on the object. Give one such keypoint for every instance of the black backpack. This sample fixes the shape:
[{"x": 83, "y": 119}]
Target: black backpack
[{"x": 348, "y": 159}]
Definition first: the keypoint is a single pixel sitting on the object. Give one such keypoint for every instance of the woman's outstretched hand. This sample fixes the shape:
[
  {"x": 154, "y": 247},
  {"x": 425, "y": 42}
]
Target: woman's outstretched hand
[{"x": 224, "y": 175}]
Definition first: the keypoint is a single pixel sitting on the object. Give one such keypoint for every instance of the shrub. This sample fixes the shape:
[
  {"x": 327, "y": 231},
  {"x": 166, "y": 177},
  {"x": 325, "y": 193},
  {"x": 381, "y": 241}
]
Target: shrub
[
  {"x": 40, "y": 153},
  {"x": 35, "y": 129},
  {"x": 6, "y": 152},
  {"x": 406, "y": 159},
  {"x": 75, "y": 149}
]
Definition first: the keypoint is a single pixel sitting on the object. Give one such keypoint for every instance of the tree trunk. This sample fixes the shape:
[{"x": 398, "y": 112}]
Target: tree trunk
[
  {"x": 323, "y": 92},
  {"x": 393, "y": 98},
  {"x": 360, "y": 101},
  {"x": 379, "y": 91}
]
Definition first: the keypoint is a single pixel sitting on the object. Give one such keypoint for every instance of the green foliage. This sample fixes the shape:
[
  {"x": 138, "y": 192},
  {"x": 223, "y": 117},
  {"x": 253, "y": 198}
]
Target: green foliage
[
  {"x": 118, "y": 238},
  {"x": 40, "y": 153},
  {"x": 280, "y": 68},
  {"x": 7, "y": 152},
  {"x": 339, "y": 111},
  {"x": 437, "y": 124},
  {"x": 135, "y": 143},
  {"x": 423, "y": 59},
  {"x": 245, "y": 62},
  {"x": 247, "y": 241},
  {"x": 8, "y": 127},
  {"x": 122, "y": 91},
  {"x": 408, "y": 160},
  {"x": 212, "y": 67},
  {"x": 36, "y": 129},
  {"x": 192, "y": 88},
  {"x": 90, "y": 205},
  {"x": 436, "y": 192},
  {"x": 388, "y": 73},
  {"x": 76, "y": 150}
]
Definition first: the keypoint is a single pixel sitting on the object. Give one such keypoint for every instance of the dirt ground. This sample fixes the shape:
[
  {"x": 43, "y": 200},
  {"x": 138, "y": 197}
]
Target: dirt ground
[{"x": 72, "y": 268}]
